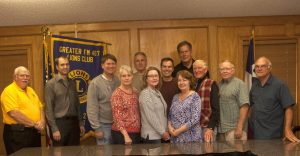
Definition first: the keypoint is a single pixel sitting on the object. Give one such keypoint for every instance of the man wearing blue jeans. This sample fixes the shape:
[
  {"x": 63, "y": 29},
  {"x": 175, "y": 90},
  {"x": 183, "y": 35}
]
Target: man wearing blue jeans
[
  {"x": 106, "y": 139},
  {"x": 98, "y": 99}
]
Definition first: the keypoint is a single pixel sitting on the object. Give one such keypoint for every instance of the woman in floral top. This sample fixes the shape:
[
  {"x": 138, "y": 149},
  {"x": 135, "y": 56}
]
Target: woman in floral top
[
  {"x": 125, "y": 110},
  {"x": 184, "y": 118}
]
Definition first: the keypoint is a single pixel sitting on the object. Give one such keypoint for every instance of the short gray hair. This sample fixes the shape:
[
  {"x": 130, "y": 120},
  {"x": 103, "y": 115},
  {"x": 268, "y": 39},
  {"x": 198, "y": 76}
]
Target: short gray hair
[
  {"x": 230, "y": 62},
  {"x": 266, "y": 59},
  {"x": 18, "y": 69},
  {"x": 202, "y": 62}
]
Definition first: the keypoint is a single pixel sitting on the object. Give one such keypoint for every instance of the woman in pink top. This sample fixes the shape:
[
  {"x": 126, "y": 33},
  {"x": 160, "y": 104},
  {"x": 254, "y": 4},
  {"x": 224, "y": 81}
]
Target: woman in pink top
[{"x": 125, "y": 110}]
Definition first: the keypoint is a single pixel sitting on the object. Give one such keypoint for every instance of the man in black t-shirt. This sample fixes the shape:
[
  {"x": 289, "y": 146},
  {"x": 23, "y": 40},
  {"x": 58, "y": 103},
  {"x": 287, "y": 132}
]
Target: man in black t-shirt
[{"x": 184, "y": 50}]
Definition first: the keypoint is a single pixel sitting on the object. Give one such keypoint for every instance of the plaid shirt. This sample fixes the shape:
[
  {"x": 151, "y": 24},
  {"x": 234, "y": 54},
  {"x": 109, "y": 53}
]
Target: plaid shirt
[{"x": 204, "y": 92}]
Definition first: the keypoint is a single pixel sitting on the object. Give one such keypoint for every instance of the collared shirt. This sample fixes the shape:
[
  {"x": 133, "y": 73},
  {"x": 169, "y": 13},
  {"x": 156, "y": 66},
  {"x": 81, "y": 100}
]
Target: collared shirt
[
  {"x": 267, "y": 107},
  {"x": 233, "y": 94},
  {"x": 180, "y": 67},
  {"x": 61, "y": 100},
  {"x": 26, "y": 101}
]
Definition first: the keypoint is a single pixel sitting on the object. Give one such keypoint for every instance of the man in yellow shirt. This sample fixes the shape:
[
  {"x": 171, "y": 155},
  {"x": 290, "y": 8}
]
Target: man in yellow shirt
[{"x": 23, "y": 114}]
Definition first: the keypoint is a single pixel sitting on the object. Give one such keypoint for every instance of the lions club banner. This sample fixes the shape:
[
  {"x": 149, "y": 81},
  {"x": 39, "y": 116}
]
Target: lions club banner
[{"x": 85, "y": 59}]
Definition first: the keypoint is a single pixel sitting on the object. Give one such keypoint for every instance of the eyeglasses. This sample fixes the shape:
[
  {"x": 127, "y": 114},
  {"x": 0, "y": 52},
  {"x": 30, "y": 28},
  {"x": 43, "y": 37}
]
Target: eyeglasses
[
  {"x": 225, "y": 69},
  {"x": 23, "y": 75},
  {"x": 153, "y": 76},
  {"x": 261, "y": 66},
  {"x": 199, "y": 68}
]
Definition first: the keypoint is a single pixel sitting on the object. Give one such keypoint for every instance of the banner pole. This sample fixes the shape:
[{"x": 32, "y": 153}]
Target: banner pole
[
  {"x": 45, "y": 33},
  {"x": 75, "y": 30}
]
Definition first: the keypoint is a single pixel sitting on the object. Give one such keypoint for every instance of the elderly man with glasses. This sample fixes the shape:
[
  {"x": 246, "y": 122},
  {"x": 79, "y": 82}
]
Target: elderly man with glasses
[
  {"x": 271, "y": 105},
  {"x": 234, "y": 104},
  {"x": 23, "y": 113}
]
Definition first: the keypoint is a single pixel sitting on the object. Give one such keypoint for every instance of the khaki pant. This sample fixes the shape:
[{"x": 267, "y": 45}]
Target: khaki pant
[{"x": 229, "y": 135}]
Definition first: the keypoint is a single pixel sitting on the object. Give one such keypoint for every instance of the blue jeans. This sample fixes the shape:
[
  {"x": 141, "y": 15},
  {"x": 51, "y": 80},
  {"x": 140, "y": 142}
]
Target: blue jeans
[{"x": 106, "y": 129}]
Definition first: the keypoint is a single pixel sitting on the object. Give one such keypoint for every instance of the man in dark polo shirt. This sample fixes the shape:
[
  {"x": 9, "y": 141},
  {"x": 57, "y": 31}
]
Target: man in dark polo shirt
[
  {"x": 184, "y": 50},
  {"x": 62, "y": 107},
  {"x": 271, "y": 105}
]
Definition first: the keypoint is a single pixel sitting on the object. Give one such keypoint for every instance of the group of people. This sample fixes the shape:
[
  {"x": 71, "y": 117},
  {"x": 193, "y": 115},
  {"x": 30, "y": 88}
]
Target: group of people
[{"x": 176, "y": 104}]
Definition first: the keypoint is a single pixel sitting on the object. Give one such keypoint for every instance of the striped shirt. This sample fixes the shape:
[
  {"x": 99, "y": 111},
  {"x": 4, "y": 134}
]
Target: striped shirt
[{"x": 153, "y": 114}]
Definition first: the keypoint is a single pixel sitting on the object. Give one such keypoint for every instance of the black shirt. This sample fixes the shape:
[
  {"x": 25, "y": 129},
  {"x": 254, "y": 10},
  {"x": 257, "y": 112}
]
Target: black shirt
[{"x": 180, "y": 67}]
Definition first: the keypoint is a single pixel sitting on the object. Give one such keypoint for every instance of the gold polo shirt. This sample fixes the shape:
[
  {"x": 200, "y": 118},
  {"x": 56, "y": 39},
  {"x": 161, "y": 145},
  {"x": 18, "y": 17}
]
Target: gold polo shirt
[{"x": 15, "y": 98}]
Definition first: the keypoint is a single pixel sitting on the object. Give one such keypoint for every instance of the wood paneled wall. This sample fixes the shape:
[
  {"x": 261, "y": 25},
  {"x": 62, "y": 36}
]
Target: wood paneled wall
[{"x": 213, "y": 40}]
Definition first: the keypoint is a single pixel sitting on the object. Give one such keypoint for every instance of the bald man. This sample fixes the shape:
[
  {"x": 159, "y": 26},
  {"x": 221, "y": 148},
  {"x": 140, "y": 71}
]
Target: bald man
[
  {"x": 271, "y": 105},
  {"x": 23, "y": 114}
]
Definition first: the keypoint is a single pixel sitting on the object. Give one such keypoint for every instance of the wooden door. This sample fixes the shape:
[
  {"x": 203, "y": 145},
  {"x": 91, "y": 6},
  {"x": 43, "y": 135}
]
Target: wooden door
[{"x": 10, "y": 58}]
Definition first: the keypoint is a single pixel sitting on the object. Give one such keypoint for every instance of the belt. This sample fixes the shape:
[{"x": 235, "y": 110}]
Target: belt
[{"x": 18, "y": 127}]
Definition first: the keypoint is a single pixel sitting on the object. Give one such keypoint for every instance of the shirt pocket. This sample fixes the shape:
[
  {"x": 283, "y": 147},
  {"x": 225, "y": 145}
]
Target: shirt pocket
[{"x": 269, "y": 104}]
